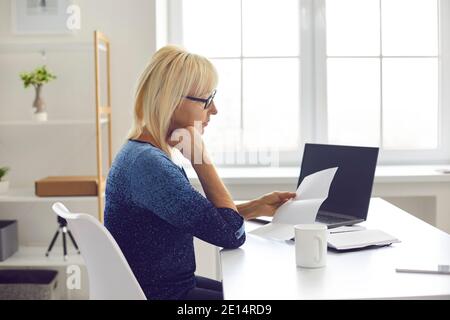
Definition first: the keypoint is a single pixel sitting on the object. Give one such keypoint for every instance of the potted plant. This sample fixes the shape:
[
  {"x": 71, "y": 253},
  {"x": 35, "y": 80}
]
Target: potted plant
[
  {"x": 4, "y": 185},
  {"x": 37, "y": 79}
]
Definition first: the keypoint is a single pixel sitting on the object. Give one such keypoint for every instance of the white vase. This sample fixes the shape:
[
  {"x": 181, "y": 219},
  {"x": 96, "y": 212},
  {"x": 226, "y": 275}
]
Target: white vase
[
  {"x": 4, "y": 186},
  {"x": 40, "y": 116}
]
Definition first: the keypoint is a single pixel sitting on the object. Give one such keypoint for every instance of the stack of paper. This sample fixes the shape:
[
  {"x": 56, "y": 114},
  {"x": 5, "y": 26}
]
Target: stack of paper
[
  {"x": 311, "y": 193},
  {"x": 359, "y": 239}
]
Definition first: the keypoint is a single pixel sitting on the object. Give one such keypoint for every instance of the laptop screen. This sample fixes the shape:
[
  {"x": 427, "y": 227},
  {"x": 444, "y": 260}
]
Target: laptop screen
[{"x": 351, "y": 188}]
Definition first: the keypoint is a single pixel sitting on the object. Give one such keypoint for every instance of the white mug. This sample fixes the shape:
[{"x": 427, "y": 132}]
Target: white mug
[{"x": 311, "y": 245}]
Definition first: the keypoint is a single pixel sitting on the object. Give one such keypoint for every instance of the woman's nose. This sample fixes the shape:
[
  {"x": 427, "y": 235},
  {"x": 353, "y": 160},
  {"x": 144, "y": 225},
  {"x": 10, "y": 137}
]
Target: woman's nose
[{"x": 213, "y": 109}]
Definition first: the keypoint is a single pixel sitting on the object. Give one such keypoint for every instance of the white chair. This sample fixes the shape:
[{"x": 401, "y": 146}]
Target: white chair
[{"x": 110, "y": 276}]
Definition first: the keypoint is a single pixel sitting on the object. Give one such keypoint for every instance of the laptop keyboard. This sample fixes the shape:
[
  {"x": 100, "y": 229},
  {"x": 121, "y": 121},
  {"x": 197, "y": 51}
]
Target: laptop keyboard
[{"x": 327, "y": 219}]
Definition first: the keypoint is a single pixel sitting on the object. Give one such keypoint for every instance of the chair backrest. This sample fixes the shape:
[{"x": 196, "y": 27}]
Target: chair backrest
[{"x": 110, "y": 276}]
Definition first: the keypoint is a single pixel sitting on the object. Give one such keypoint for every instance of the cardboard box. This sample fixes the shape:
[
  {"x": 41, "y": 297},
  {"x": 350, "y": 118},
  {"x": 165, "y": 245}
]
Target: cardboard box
[{"x": 67, "y": 186}]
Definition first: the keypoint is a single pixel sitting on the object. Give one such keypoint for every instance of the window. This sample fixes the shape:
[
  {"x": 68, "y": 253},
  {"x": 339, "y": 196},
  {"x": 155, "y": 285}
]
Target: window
[
  {"x": 383, "y": 75},
  {"x": 361, "y": 72}
]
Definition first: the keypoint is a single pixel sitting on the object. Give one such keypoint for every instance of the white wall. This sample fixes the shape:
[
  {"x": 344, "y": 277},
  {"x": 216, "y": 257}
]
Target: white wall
[
  {"x": 27, "y": 149},
  {"x": 36, "y": 151}
]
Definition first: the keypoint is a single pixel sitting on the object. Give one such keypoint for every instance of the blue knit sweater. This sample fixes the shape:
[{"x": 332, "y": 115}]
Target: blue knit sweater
[{"x": 153, "y": 213}]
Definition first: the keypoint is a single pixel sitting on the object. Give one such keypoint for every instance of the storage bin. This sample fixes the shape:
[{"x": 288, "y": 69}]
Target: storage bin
[
  {"x": 8, "y": 238},
  {"x": 28, "y": 284}
]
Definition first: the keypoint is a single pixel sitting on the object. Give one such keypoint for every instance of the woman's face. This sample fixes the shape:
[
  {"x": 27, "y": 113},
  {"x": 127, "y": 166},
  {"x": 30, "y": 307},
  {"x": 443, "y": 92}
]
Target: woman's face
[{"x": 192, "y": 113}]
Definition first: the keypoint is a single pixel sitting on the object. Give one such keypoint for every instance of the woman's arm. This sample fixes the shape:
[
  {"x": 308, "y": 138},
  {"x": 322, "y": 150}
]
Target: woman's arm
[
  {"x": 194, "y": 149},
  {"x": 248, "y": 209},
  {"x": 218, "y": 194},
  {"x": 160, "y": 187},
  {"x": 214, "y": 189}
]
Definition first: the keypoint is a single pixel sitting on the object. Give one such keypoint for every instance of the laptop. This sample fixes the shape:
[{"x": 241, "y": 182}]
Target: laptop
[{"x": 349, "y": 196}]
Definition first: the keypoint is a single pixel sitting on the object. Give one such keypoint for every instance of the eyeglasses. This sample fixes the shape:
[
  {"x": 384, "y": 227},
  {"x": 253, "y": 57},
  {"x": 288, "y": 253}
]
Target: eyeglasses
[{"x": 206, "y": 101}]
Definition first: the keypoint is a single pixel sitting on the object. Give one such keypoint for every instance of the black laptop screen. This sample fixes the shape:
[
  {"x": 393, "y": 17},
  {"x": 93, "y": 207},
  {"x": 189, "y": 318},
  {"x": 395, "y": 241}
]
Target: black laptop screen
[{"x": 351, "y": 188}]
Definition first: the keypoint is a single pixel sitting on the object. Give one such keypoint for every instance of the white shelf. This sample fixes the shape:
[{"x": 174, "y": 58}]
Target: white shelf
[
  {"x": 35, "y": 257},
  {"x": 51, "y": 122},
  {"x": 39, "y": 47},
  {"x": 46, "y": 47},
  {"x": 27, "y": 195}
]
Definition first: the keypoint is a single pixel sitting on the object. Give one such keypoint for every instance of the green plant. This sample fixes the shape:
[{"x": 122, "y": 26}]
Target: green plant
[
  {"x": 37, "y": 77},
  {"x": 3, "y": 172}
]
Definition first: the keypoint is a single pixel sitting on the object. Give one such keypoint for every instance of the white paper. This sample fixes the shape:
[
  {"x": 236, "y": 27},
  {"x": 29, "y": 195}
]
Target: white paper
[
  {"x": 274, "y": 230},
  {"x": 311, "y": 193},
  {"x": 298, "y": 211}
]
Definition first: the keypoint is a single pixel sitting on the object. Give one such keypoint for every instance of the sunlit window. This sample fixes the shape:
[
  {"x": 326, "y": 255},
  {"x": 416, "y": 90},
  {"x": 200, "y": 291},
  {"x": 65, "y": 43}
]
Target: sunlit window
[{"x": 373, "y": 69}]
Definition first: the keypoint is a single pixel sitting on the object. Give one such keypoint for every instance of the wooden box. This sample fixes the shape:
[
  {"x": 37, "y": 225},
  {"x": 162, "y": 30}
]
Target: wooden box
[{"x": 67, "y": 186}]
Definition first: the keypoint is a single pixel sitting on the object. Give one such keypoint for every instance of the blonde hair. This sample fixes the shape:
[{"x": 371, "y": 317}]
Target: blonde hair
[{"x": 171, "y": 74}]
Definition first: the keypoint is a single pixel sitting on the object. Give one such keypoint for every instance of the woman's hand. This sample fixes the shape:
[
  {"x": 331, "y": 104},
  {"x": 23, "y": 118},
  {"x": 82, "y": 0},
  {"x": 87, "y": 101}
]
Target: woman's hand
[
  {"x": 190, "y": 143},
  {"x": 265, "y": 205},
  {"x": 270, "y": 202}
]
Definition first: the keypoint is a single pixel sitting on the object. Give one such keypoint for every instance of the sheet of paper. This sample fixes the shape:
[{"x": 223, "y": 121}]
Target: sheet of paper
[
  {"x": 275, "y": 230},
  {"x": 316, "y": 185},
  {"x": 298, "y": 211},
  {"x": 311, "y": 193}
]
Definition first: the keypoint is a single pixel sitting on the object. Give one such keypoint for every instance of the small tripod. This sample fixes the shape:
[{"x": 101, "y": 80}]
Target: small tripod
[{"x": 62, "y": 228}]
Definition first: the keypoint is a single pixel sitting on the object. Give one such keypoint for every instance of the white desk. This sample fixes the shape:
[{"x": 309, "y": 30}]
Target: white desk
[{"x": 266, "y": 269}]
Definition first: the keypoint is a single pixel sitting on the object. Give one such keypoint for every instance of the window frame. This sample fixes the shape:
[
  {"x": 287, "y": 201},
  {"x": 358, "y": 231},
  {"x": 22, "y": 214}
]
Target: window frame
[{"x": 313, "y": 84}]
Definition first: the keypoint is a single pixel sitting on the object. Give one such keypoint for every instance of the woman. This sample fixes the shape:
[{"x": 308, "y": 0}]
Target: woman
[{"x": 151, "y": 209}]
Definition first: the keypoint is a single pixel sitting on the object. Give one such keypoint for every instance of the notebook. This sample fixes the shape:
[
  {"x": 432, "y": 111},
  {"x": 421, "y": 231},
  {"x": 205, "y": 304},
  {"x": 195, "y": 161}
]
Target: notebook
[{"x": 360, "y": 239}]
